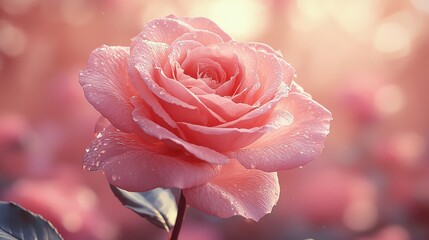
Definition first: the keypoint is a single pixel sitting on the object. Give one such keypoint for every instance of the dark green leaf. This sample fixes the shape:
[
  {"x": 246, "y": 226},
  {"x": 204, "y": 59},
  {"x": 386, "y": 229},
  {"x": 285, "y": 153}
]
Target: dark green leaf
[
  {"x": 158, "y": 205},
  {"x": 18, "y": 223}
]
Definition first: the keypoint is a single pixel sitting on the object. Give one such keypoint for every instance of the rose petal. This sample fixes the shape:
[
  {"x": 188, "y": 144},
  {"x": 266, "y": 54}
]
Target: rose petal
[
  {"x": 260, "y": 114},
  {"x": 225, "y": 107},
  {"x": 167, "y": 137},
  {"x": 272, "y": 72},
  {"x": 230, "y": 55},
  {"x": 144, "y": 58},
  {"x": 163, "y": 30},
  {"x": 202, "y": 36},
  {"x": 262, "y": 47},
  {"x": 290, "y": 146},
  {"x": 221, "y": 139},
  {"x": 231, "y": 139},
  {"x": 107, "y": 86},
  {"x": 236, "y": 191},
  {"x": 134, "y": 165},
  {"x": 226, "y": 59},
  {"x": 207, "y": 24},
  {"x": 176, "y": 54},
  {"x": 201, "y": 115}
]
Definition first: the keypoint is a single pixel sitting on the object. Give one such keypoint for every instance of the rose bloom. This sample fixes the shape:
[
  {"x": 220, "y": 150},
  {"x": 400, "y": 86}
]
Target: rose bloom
[{"x": 190, "y": 108}]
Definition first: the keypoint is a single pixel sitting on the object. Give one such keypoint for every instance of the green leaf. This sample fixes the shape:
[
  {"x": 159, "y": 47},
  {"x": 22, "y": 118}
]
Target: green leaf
[
  {"x": 158, "y": 206},
  {"x": 17, "y": 223}
]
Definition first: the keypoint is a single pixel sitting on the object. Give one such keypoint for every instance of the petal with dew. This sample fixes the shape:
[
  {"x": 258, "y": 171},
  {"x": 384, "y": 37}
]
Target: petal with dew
[
  {"x": 291, "y": 146},
  {"x": 145, "y": 56},
  {"x": 274, "y": 73},
  {"x": 250, "y": 193},
  {"x": 207, "y": 24},
  {"x": 204, "y": 37},
  {"x": 163, "y": 30},
  {"x": 262, "y": 47},
  {"x": 107, "y": 86},
  {"x": 133, "y": 165}
]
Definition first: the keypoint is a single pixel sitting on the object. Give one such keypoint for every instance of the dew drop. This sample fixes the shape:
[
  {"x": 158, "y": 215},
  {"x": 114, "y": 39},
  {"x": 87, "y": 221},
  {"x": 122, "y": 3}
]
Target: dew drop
[
  {"x": 99, "y": 135},
  {"x": 87, "y": 150},
  {"x": 300, "y": 167},
  {"x": 252, "y": 166},
  {"x": 115, "y": 177}
]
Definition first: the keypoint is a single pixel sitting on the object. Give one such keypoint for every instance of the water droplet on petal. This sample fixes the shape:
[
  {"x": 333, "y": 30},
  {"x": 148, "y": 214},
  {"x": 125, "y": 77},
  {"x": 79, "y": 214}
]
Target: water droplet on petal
[{"x": 115, "y": 177}]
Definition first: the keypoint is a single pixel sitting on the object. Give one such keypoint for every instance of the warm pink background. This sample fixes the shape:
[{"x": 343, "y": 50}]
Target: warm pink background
[{"x": 365, "y": 60}]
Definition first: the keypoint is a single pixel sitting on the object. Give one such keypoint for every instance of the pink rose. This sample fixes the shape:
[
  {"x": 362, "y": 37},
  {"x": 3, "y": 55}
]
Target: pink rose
[{"x": 188, "y": 107}]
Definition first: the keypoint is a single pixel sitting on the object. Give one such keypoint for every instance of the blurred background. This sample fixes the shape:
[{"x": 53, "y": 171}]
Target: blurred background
[{"x": 365, "y": 60}]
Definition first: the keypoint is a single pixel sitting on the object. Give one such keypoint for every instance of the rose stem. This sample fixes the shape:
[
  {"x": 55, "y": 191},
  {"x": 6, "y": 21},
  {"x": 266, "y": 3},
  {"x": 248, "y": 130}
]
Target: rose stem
[{"x": 180, "y": 216}]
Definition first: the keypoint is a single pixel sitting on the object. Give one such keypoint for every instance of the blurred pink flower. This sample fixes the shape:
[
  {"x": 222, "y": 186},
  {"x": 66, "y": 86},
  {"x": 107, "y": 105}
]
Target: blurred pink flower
[
  {"x": 393, "y": 232},
  {"x": 190, "y": 108},
  {"x": 14, "y": 134},
  {"x": 61, "y": 199}
]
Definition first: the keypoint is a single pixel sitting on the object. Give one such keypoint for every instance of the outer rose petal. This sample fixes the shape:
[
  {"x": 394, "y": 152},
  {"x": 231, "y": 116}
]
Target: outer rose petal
[
  {"x": 131, "y": 164},
  {"x": 294, "y": 145},
  {"x": 262, "y": 47},
  {"x": 206, "y": 24},
  {"x": 107, "y": 86},
  {"x": 236, "y": 191},
  {"x": 164, "y": 30},
  {"x": 202, "y": 36}
]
